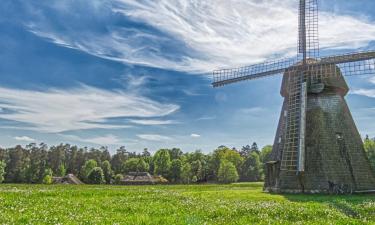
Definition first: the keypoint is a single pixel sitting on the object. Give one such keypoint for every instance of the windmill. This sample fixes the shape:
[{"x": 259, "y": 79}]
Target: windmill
[{"x": 317, "y": 147}]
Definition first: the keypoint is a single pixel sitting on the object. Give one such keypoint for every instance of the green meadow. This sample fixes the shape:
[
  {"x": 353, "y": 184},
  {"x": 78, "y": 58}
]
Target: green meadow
[{"x": 242, "y": 203}]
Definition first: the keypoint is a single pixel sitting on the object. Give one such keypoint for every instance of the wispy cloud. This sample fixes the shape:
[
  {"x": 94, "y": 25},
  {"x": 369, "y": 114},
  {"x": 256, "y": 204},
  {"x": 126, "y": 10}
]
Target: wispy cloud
[
  {"x": 154, "y": 137},
  {"x": 195, "y": 135},
  {"x": 84, "y": 107},
  {"x": 109, "y": 139},
  {"x": 194, "y": 36},
  {"x": 24, "y": 138},
  {"x": 364, "y": 92},
  {"x": 153, "y": 122}
]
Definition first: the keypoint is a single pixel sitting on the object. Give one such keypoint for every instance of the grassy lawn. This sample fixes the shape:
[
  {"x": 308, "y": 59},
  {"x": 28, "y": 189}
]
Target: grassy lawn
[{"x": 177, "y": 204}]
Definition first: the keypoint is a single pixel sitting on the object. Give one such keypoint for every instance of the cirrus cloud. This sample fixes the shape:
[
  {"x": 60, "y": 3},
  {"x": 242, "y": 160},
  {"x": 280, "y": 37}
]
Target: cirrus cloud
[
  {"x": 84, "y": 107},
  {"x": 193, "y": 36}
]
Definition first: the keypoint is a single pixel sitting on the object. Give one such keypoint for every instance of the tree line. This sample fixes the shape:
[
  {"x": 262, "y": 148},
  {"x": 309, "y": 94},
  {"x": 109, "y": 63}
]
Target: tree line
[{"x": 38, "y": 163}]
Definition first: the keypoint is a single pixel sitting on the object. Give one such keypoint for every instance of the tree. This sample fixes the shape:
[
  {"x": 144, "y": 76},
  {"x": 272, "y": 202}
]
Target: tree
[
  {"x": 142, "y": 166},
  {"x": 227, "y": 172},
  {"x": 245, "y": 151},
  {"x": 254, "y": 147},
  {"x": 265, "y": 153},
  {"x": 47, "y": 178},
  {"x": 61, "y": 171},
  {"x": 162, "y": 162},
  {"x": 18, "y": 165},
  {"x": 106, "y": 166},
  {"x": 118, "y": 178},
  {"x": 251, "y": 168},
  {"x": 186, "y": 175},
  {"x": 86, "y": 169},
  {"x": 131, "y": 165},
  {"x": 196, "y": 169},
  {"x": 175, "y": 153},
  {"x": 176, "y": 169},
  {"x": 118, "y": 160},
  {"x": 224, "y": 153},
  {"x": 369, "y": 145},
  {"x": 96, "y": 176},
  {"x": 2, "y": 171}
]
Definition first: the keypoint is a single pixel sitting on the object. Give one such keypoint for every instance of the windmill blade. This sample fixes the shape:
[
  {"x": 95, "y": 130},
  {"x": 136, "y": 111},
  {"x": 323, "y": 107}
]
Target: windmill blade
[
  {"x": 348, "y": 58},
  {"x": 228, "y": 76},
  {"x": 308, "y": 29}
]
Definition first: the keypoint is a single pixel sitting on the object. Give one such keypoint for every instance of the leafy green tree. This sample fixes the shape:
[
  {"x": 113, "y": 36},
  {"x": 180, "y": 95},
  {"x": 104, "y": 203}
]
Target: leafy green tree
[
  {"x": 245, "y": 151},
  {"x": 196, "y": 169},
  {"x": 86, "y": 169},
  {"x": 142, "y": 166},
  {"x": 254, "y": 147},
  {"x": 96, "y": 176},
  {"x": 224, "y": 153},
  {"x": 175, "y": 153},
  {"x": 162, "y": 162},
  {"x": 118, "y": 178},
  {"x": 265, "y": 153},
  {"x": 176, "y": 169},
  {"x": 227, "y": 172},
  {"x": 38, "y": 162},
  {"x": 118, "y": 160},
  {"x": 106, "y": 166},
  {"x": 47, "y": 179},
  {"x": 18, "y": 165},
  {"x": 131, "y": 165},
  {"x": 61, "y": 171},
  {"x": 369, "y": 145},
  {"x": 186, "y": 174},
  {"x": 2, "y": 171},
  {"x": 252, "y": 168}
]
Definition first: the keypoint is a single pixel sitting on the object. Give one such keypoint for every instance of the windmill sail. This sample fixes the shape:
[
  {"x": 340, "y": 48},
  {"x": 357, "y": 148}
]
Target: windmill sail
[{"x": 308, "y": 40}]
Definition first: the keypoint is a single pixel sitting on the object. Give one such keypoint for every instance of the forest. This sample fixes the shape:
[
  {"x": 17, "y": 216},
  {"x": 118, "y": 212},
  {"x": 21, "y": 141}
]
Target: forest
[{"x": 39, "y": 163}]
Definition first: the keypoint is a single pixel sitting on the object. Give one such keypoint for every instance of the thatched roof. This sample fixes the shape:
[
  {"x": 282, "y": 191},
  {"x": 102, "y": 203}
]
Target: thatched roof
[
  {"x": 68, "y": 179},
  {"x": 139, "y": 178}
]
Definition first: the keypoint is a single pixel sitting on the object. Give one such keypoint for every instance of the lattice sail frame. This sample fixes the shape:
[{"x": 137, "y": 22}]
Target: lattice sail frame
[{"x": 308, "y": 29}]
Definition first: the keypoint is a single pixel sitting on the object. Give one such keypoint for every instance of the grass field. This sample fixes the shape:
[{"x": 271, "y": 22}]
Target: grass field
[{"x": 177, "y": 204}]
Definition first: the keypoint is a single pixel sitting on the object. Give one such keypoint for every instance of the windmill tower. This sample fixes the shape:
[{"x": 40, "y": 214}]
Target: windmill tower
[{"x": 317, "y": 147}]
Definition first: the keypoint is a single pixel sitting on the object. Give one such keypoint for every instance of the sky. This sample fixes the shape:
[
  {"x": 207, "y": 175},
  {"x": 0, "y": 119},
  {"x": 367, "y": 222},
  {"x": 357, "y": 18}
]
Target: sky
[{"x": 138, "y": 73}]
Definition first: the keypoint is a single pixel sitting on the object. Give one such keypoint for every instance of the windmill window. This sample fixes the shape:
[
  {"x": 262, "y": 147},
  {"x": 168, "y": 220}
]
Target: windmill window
[{"x": 339, "y": 136}]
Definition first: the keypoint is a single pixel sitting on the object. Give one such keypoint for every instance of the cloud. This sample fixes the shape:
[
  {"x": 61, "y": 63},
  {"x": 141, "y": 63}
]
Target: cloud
[
  {"x": 195, "y": 135},
  {"x": 153, "y": 122},
  {"x": 364, "y": 92},
  {"x": 154, "y": 137},
  {"x": 24, "y": 138},
  {"x": 193, "y": 36},
  {"x": 99, "y": 140},
  {"x": 84, "y": 107}
]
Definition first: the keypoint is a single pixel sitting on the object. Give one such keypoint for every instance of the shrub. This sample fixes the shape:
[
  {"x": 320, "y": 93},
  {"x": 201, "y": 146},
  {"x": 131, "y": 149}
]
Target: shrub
[
  {"x": 47, "y": 179},
  {"x": 118, "y": 178},
  {"x": 96, "y": 176},
  {"x": 2, "y": 171},
  {"x": 227, "y": 172}
]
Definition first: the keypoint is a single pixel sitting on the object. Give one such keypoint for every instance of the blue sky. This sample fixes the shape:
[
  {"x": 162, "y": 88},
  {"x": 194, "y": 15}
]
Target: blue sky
[{"x": 136, "y": 73}]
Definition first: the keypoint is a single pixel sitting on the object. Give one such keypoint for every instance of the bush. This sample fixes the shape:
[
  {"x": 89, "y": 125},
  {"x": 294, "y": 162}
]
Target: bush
[
  {"x": 2, "y": 171},
  {"x": 47, "y": 179},
  {"x": 227, "y": 172},
  {"x": 96, "y": 176},
  {"x": 118, "y": 178}
]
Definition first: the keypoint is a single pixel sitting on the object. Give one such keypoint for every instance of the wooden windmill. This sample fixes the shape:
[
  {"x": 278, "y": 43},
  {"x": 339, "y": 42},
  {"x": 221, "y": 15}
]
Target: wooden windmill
[{"x": 317, "y": 146}]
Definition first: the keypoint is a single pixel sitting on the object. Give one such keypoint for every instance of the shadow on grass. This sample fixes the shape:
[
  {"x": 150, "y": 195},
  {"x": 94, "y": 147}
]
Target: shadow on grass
[{"x": 346, "y": 204}]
